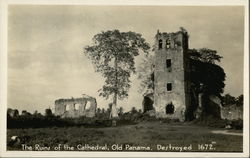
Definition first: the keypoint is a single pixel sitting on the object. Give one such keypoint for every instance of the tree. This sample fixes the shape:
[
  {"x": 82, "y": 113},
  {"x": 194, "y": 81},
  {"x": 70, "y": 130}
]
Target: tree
[
  {"x": 145, "y": 73},
  {"x": 35, "y": 112},
  {"x": 48, "y": 113},
  {"x": 239, "y": 100},
  {"x": 133, "y": 110},
  {"x": 204, "y": 55},
  {"x": 25, "y": 113},
  {"x": 206, "y": 75},
  {"x": 12, "y": 112},
  {"x": 112, "y": 55},
  {"x": 207, "y": 78},
  {"x": 103, "y": 111},
  {"x": 120, "y": 111},
  {"x": 98, "y": 111},
  {"x": 140, "y": 111},
  {"x": 228, "y": 99}
]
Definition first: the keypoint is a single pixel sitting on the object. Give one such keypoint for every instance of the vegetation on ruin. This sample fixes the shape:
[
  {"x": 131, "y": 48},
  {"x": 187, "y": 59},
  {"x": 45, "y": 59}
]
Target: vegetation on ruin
[
  {"x": 231, "y": 100},
  {"x": 206, "y": 76},
  {"x": 112, "y": 55}
]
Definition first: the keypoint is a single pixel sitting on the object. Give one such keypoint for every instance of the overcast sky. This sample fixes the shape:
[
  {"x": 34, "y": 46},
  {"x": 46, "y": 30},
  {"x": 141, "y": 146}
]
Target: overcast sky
[{"x": 45, "y": 47}]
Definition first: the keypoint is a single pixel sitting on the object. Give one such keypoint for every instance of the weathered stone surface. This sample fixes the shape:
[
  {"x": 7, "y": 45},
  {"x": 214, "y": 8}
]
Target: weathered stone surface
[
  {"x": 232, "y": 112},
  {"x": 174, "y": 72},
  {"x": 71, "y": 111}
]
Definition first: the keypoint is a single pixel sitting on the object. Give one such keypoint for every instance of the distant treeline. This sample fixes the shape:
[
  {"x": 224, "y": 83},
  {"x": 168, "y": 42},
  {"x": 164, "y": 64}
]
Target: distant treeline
[
  {"x": 228, "y": 100},
  {"x": 102, "y": 119}
]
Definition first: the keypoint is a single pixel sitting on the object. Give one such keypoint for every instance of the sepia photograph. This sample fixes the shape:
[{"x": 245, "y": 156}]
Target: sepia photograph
[{"x": 109, "y": 78}]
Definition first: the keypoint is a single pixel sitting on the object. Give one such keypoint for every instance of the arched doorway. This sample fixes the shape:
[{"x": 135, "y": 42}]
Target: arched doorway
[
  {"x": 170, "y": 108},
  {"x": 147, "y": 104}
]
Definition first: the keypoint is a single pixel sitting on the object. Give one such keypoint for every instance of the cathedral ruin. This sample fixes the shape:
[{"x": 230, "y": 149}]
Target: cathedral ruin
[
  {"x": 76, "y": 107},
  {"x": 171, "y": 75}
]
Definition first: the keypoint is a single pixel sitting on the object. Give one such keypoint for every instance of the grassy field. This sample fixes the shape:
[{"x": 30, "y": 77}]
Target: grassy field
[{"x": 145, "y": 136}]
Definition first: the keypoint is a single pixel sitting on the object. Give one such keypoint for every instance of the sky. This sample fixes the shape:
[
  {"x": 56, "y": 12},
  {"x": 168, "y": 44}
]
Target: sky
[{"x": 45, "y": 47}]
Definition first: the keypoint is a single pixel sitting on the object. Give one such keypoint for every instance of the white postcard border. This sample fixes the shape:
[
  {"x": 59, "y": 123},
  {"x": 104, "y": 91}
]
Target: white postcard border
[{"x": 3, "y": 78}]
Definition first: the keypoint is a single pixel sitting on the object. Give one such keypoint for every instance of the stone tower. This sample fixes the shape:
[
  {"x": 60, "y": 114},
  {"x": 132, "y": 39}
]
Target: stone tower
[{"x": 172, "y": 85}]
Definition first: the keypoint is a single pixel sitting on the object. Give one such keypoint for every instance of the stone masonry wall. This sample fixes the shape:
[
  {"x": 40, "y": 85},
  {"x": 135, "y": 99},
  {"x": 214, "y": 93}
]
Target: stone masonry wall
[
  {"x": 174, "y": 47},
  {"x": 232, "y": 112},
  {"x": 60, "y": 107}
]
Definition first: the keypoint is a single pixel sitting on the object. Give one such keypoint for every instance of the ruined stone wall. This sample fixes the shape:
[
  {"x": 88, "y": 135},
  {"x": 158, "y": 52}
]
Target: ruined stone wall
[
  {"x": 174, "y": 46},
  {"x": 61, "y": 104},
  {"x": 232, "y": 112}
]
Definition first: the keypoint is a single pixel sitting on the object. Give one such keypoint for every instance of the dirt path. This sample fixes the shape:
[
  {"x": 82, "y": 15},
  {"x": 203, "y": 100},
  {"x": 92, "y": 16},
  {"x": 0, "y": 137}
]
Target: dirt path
[{"x": 226, "y": 132}]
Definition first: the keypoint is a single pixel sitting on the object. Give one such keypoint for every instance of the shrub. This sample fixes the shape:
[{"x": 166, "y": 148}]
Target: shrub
[
  {"x": 236, "y": 124},
  {"x": 211, "y": 121}
]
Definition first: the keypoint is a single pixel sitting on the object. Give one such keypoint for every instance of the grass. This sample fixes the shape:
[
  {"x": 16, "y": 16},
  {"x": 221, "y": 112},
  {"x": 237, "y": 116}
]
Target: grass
[{"x": 142, "y": 134}]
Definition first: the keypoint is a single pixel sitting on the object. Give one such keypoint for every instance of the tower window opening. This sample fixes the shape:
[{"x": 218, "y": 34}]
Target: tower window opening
[
  {"x": 160, "y": 44},
  {"x": 168, "y": 63},
  {"x": 169, "y": 86},
  {"x": 170, "y": 108}
]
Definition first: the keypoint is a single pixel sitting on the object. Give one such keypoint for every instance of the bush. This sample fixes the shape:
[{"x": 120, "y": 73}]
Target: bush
[
  {"x": 40, "y": 121},
  {"x": 212, "y": 121},
  {"x": 31, "y": 121},
  {"x": 236, "y": 124}
]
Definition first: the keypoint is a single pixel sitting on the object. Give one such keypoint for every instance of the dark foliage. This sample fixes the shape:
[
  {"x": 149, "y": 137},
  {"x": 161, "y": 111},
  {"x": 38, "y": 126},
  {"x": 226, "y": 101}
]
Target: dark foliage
[
  {"x": 228, "y": 100},
  {"x": 31, "y": 121},
  {"x": 206, "y": 77},
  {"x": 210, "y": 76},
  {"x": 48, "y": 112},
  {"x": 212, "y": 121}
]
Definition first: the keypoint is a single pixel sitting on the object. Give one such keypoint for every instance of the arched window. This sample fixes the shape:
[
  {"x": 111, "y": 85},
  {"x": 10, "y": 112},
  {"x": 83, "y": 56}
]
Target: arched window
[
  {"x": 67, "y": 107},
  {"x": 167, "y": 44},
  {"x": 160, "y": 44},
  {"x": 77, "y": 106},
  {"x": 170, "y": 108},
  {"x": 87, "y": 106}
]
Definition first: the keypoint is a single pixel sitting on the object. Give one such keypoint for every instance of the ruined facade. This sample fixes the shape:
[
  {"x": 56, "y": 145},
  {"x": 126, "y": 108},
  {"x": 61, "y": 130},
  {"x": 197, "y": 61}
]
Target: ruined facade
[
  {"x": 232, "y": 112},
  {"x": 171, "y": 75},
  {"x": 76, "y": 107}
]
